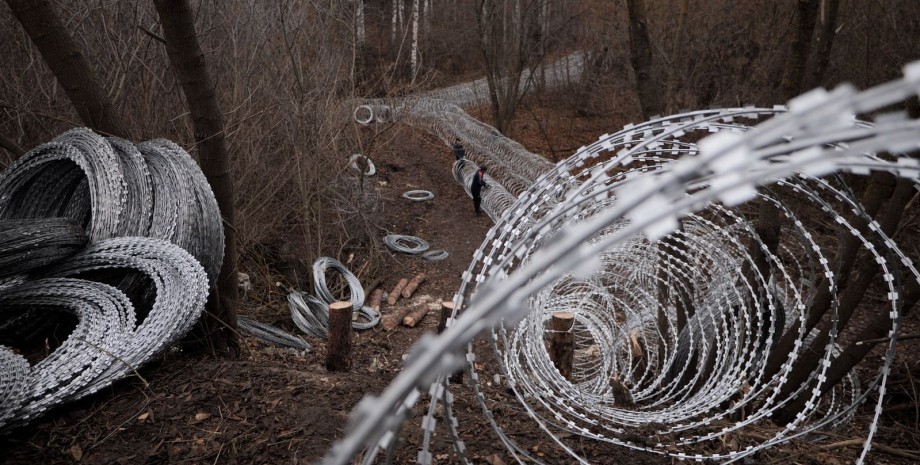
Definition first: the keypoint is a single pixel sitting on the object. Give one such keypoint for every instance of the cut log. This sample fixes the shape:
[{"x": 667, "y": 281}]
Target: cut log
[
  {"x": 413, "y": 285},
  {"x": 338, "y": 347},
  {"x": 394, "y": 296},
  {"x": 562, "y": 342},
  {"x": 376, "y": 299},
  {"x": 374, "y": 284},
  {"x": 447, "y": 308},
  {"x": 391, "y": 321},
  {"x": 418, "y": 313}
]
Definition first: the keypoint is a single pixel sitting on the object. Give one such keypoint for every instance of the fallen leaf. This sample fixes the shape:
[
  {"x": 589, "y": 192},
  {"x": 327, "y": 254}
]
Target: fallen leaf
[
  {"x": 76, "y": 452},
  {"x": 494, "y": 459},
  {"x": 200, "y": 416},
  {"x": 143, "y": 416}
]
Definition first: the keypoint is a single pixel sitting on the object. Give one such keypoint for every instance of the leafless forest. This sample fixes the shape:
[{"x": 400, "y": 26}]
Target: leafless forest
[{"x": 287, "y": 76}]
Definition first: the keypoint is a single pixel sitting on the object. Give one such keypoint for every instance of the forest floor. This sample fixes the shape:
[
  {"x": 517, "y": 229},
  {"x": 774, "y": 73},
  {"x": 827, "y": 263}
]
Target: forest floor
[{"x": 279, "y": 406}]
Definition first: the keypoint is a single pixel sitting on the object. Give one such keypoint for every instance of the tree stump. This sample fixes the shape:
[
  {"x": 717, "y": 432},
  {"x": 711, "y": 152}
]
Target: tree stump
[
  {"x": 446, "y": 309},
  {"x": 562, "y": 343},
  {"x": 338, "y": 347}
]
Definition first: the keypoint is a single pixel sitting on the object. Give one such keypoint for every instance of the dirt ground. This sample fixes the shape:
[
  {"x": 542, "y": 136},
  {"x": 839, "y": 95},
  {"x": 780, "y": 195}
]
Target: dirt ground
[{"x": 278, "y": 406}]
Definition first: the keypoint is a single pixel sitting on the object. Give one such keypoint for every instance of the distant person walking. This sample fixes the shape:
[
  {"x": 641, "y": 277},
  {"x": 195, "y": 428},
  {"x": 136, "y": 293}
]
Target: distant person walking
[
  {"x": 479, "y": 182},
  {"x": 459, "y": 151}
]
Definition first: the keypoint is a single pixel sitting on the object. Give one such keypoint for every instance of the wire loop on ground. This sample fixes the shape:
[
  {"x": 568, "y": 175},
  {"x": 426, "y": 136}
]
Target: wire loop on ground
[
  {"x": 406, "y": 244},
  {"x": 418, "y": 195},
  {"x": 435, "y": 255}
]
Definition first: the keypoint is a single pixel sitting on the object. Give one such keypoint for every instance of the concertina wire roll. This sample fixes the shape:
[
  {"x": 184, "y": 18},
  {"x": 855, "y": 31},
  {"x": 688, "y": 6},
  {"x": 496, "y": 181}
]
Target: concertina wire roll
[
  {"x": 128, "y": 288},
  {"x": 635, "y": 230}
]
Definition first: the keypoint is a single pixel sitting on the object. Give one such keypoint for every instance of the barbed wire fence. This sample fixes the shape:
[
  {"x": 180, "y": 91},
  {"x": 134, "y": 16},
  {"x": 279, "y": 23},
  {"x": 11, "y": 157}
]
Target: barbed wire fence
[{"x": 665, "y": 205}]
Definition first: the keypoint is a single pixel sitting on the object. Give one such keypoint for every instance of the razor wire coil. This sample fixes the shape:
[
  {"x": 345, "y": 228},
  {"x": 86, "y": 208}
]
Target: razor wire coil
[
  {"x": 436, "y": 255},
  {"x": 358, "y": 160},
  {"x": 128, "y": 297},
  {"x": 418, "y": 195},
  {"x": 272, "y": 334},
  {"x": 411, "y": 245},
  {"x": 645, "y": 209}
]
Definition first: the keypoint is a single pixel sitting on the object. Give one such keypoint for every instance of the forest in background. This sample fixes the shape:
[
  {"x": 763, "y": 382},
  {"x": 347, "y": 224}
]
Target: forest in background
[
  {"x": 287, "y": 76},
  {"x": 284, "y": 71}
]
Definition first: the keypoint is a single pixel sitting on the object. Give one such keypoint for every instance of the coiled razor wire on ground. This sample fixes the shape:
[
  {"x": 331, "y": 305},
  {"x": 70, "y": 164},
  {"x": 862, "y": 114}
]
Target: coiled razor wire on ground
[
  {"x": 355, "y": 290},
  {"x": 110, "y": 340},
  {"x": 646, "y": 209},
  {"x": 563, "y": 71},
  {"x": 114, "y": 188},
  {"x": 272, "y": 334},
  {"x": 311, "y": 314},
  {"x": 406, "y": 244},
  {"x": 357, "y": 160},
  {"x": 418, "y": 195},
  {"x": 439, "y": 112},
  {"x": 33, "y": 243},
  {"x": 495, "y": 198},
  {"x": 128, "y": 298},
  {"x": 435, "y": 255}
]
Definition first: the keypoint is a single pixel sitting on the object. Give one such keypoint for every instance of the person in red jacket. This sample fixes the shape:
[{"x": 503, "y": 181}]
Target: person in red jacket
[{"x": 479, "y": 182}]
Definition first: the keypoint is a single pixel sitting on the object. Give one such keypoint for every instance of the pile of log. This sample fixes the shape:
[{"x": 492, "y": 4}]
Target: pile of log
[{"x": 407, "y": 315}]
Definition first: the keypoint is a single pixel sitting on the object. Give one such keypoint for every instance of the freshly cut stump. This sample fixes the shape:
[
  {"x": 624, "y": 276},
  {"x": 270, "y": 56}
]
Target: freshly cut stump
[
  {"x": 562, "y": 343},
  {"x": 338, "y": 347}
]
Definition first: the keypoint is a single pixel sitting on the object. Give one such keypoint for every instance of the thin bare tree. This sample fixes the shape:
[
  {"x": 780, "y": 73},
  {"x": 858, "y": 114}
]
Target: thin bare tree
[
  {"x": 640, "y": 54},
  {"x": 511, "y": 42},
  {"x": 217, "y": 329},
  {"x": 65, "y": 58},
  {"x": 794, "y": 72},
  {"x": 825, "y": 42}
]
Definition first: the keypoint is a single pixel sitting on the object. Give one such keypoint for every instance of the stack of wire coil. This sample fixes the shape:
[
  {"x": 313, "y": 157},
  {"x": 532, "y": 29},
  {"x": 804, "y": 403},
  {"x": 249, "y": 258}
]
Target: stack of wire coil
[
  {"x": 114, "y": 242},
  {"x": 311, "y": 313}
]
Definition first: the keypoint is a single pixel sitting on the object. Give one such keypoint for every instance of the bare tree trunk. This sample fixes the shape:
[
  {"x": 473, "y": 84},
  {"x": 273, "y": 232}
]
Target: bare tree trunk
[
  {"x": 505, "y": 28},
  {"x": 217, "y": 329},
  {"x": 825, "y": 42},
  {"x": 393, "y": 26},
  {"x": 794, "y": 73},
  {"x": 359, "y": 22},
  {"x": 63, "y": 56},
  {"x": 640, "y": 54},
  {"x": 877, "y": 327},
  {"x": 881, "y": 185},
  {"x": 850, "y": 298},
  {"x": 414, "y": 39},
  {"x": 427, "y": 13},
  {"x": 677, "y": 59}
]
